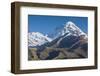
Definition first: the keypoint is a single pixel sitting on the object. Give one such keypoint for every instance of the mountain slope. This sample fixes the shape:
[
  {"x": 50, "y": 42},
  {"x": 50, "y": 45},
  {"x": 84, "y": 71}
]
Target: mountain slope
[{"x": 68, "y": 47}]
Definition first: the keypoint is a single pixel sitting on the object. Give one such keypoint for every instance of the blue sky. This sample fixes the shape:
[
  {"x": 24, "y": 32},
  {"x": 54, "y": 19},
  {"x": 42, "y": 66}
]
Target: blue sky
[{"x": 47, "y": 24}]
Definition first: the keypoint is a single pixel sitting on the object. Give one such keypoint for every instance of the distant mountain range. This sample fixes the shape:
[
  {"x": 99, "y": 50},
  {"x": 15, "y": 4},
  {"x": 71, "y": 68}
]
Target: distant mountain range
[
  {"x": 37, "y": 39},
  {"x": 66, "y": 42}
]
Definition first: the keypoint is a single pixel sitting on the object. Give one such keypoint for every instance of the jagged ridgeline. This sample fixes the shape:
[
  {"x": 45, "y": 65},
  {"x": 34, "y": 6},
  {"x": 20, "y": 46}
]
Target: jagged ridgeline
[{"x": 68, "y": 42}]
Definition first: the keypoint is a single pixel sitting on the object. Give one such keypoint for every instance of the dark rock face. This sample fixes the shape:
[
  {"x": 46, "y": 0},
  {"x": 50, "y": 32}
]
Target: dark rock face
[
  {"x": 68, "y": 41},
  {"x": 53, "y": 54}
]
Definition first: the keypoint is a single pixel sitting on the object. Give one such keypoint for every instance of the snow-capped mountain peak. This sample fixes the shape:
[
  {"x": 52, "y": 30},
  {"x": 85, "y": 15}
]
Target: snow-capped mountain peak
[
  {"x": 69, "y": 28},
  {"x": 37, "y": 39},
  {"x": 72, "y": 28},
  {"x": 70, "y": 25}
]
